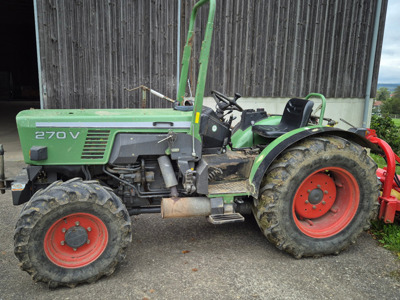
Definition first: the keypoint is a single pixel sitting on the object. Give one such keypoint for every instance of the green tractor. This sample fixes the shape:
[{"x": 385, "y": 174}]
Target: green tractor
[{"x": 311, "y": 188}]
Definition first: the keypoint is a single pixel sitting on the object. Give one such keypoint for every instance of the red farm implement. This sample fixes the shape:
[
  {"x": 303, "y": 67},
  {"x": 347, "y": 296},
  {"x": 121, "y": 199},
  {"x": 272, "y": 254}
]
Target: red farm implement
[{"x": 390, "y": 197}]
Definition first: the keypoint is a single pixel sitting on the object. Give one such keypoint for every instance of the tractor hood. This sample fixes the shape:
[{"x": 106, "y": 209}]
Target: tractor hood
[{"x": 86, "y": 136}]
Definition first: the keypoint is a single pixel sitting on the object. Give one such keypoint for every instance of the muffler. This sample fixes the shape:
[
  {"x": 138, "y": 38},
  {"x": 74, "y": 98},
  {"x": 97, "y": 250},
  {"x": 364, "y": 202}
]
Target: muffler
[{"x": 185, "y": 207}]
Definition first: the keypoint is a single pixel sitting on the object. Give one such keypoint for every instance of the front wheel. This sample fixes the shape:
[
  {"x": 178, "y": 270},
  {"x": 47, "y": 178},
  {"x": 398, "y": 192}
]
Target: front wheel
[
  {"x": 318, "y": 197},
  {"x": 72, "y": 232}
]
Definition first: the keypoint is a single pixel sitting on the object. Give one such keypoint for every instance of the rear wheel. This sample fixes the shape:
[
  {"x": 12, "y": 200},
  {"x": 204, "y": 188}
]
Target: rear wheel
[
  {"x": 318, "y": 197},
  {"x": 72, "y": 232}
]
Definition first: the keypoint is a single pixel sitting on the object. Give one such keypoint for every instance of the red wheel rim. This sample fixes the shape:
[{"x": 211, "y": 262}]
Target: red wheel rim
[
  {"x": 326, "y": 202},
  {"x": 56, "y": 240}
]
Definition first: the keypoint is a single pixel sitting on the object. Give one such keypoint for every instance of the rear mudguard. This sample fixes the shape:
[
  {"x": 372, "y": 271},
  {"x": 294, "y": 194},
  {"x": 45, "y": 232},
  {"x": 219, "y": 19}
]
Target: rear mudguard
[
  {"x": 275, "y": 148},
  {"x": 246, "y": 138}
]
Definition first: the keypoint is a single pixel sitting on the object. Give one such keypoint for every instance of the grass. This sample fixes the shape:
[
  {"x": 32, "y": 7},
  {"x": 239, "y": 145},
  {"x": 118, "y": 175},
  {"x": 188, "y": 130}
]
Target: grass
[
  {"x": 381, "y": 162},
  {"x": 388, "y": 235},
  {"x": 396, "y": 122}
]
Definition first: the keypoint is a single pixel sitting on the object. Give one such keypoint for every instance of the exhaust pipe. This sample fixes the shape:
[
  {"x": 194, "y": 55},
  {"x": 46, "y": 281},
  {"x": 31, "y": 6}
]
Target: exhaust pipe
[
  {"x": 185, "y": 207},
  {"x": 168, "y": 174}
]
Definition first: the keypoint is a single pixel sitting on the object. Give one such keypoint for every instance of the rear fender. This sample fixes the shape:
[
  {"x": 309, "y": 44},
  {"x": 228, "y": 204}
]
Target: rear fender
[
  {"x": 246, "y": 138},
  {"x": 275, "y": 148}
]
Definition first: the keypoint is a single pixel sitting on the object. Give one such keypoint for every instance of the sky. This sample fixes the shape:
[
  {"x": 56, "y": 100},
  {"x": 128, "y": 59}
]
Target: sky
[{"x": 389, "y": 71}]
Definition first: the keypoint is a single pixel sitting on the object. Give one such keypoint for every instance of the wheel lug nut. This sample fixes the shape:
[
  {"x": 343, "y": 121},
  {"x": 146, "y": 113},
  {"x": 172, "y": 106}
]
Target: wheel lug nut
[
  {"x": 74, "y": 249},
  {"x": 63, "y": 230},
  {"x": 326, "y": 192},
  {"x": 314, "y": 207},
  {"x": 77, "y": 223},
  {"x": 306, "y": 202},
  {"x": 89, "y": 229},
  {"x": 323, "y": 202},
  {"x": 88, "y": 242},
  {"x": 319, "y": 186},
  {"x": 308, "y": 191},
  {"x": 62, "y": 243}
]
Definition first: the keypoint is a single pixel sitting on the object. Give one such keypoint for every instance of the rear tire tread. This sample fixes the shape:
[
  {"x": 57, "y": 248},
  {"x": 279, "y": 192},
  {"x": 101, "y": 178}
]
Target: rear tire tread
[{"x": 267, "y": 208}]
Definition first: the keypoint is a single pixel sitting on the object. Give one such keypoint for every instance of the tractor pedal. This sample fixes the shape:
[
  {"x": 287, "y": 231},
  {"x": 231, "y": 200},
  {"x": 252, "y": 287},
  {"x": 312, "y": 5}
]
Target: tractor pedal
[{"x": 225, "y": 218}]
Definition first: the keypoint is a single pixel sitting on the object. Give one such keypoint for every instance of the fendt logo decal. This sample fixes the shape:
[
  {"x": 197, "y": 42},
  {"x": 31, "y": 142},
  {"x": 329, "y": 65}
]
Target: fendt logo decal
[{"x": 59, "y": 135}]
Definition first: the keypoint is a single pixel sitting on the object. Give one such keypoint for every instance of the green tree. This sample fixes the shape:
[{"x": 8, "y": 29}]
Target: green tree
[
  {"x": 392, "y": 105},
  {"x": 388, "y": 131},
  {"x": 396, "y": 93},
  {"x": 382, "y": 94}
]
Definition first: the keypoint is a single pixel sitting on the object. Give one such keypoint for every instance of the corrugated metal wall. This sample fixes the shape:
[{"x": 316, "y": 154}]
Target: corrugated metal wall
[{"x": 93, "y": 50}]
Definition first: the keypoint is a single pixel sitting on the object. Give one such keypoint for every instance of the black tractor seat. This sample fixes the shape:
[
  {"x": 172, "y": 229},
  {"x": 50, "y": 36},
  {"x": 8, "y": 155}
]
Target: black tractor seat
[{"x": 296, "y": 114}]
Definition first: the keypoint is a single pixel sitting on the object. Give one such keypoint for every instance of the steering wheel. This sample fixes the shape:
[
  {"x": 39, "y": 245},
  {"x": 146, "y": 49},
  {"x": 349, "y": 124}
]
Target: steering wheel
[{"x": 225, "y": 103}]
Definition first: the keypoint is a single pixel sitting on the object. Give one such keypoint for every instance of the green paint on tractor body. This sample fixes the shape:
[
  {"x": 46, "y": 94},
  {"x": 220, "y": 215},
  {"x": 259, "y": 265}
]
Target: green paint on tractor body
[
  {"x": 262, "y": 156},
  {"x": 86, "y": 136},
  {"x": 246, "y": 138}
]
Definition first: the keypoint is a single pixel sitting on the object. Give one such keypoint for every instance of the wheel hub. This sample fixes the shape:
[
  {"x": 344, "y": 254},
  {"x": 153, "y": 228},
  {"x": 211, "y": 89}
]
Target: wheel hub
[
  {"x": 75, "y": 240},
  {"x": 324, "y": 215},
  {"x": 316, "y": 196},
  {"x": 76, "y": 237}
]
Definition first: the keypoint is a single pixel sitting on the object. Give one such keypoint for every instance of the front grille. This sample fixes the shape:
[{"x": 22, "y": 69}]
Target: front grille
[{"x": 95, "y": 144}]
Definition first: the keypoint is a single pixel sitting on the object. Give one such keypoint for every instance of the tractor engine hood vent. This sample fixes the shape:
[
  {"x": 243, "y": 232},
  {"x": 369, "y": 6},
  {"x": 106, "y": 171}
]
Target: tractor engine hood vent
[{"x": 95, "y": 144}]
